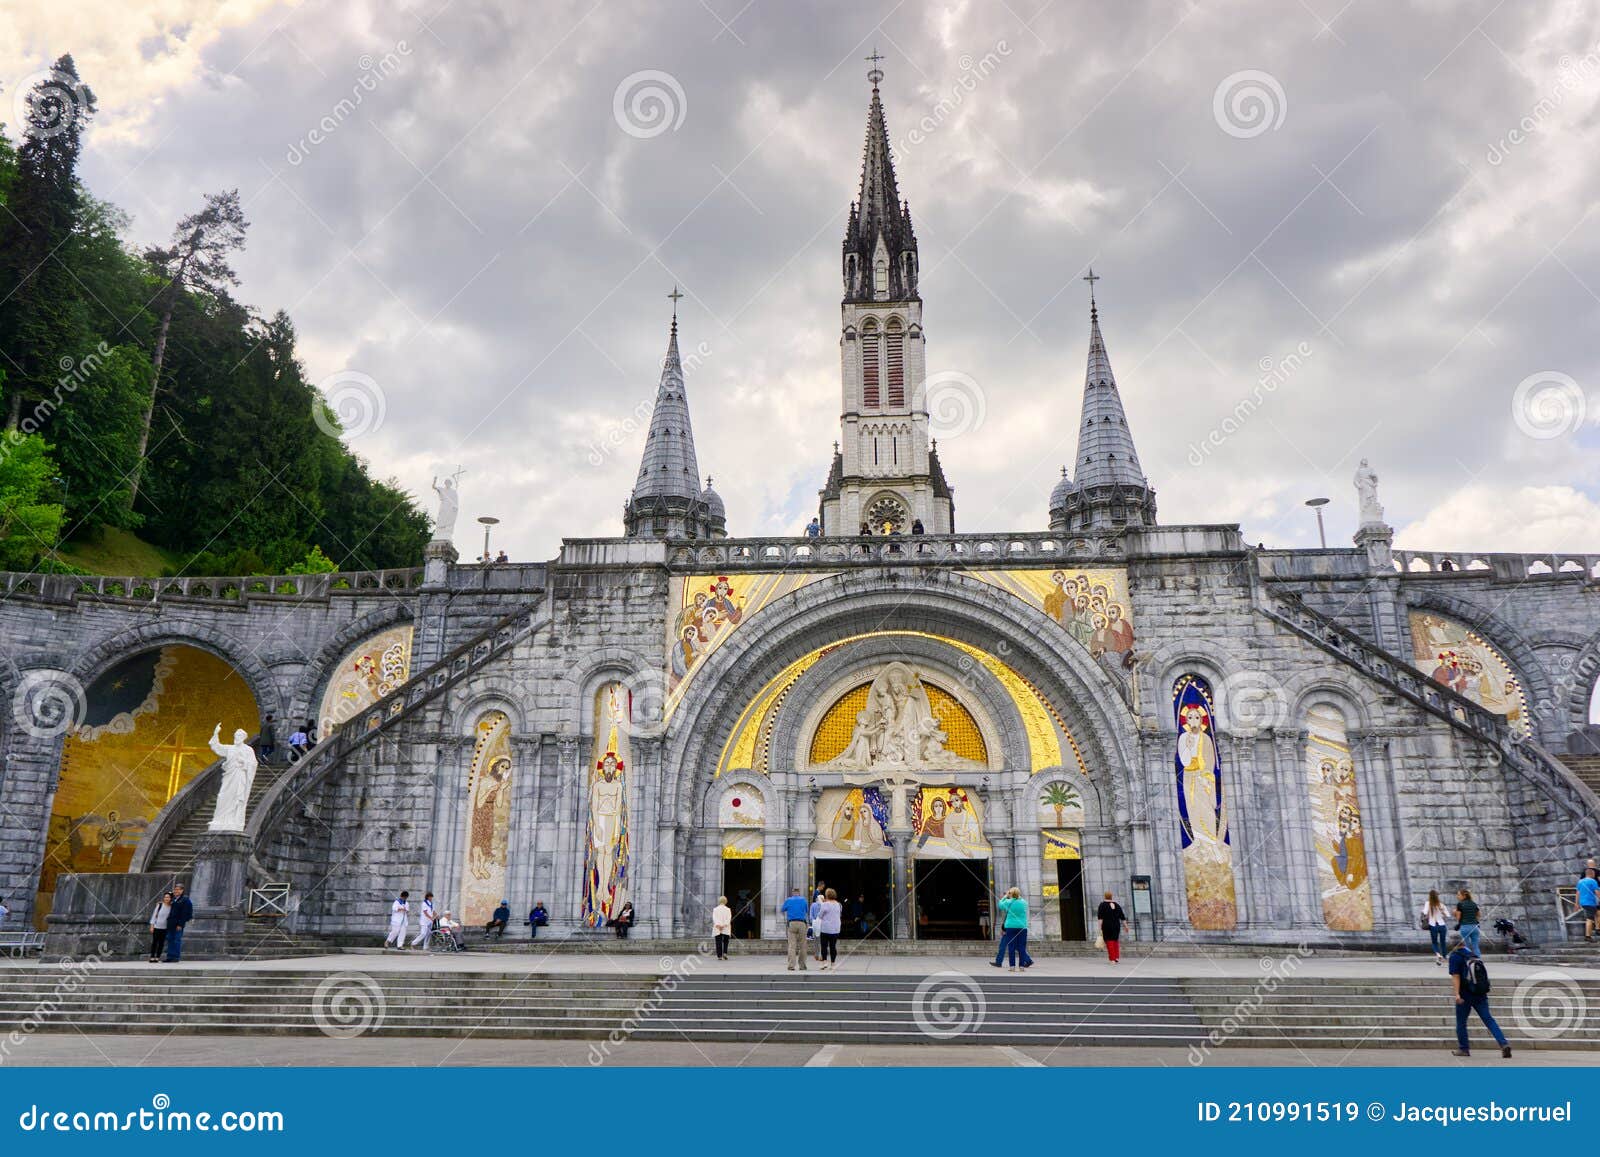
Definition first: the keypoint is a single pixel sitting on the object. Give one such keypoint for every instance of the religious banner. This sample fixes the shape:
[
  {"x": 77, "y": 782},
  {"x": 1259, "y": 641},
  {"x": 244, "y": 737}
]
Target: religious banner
[
  {"x": 945, "y": 825},
  {"x": 605, "y": 861},
  {"x": 852, "y": 821},
  {"x": 483, "y": 876},
  {"x": 1336, "y": 822},
  {"x": 1202, "y": 812},
  {"x": 703, "y": 610},
  {"x": 1462, "y": 660}
]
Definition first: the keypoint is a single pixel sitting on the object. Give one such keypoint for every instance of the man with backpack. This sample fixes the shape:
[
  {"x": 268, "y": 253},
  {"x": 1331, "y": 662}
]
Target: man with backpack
[{"x": 1469, "y": 977}]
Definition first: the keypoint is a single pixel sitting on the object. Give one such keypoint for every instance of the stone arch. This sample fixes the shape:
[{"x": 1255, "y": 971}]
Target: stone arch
[
  {"x": 316, "y": 674},
  {"x": 1096, "y": 812},
  {"x": 96, "y": 660},
  {"x": 1585, "y": 685},
  {"x": 772, "y": 800},
  {"x": 1505, "y": 638},
  {"x": 605, "y": 665},
  {"x": 855, "y": 602}
]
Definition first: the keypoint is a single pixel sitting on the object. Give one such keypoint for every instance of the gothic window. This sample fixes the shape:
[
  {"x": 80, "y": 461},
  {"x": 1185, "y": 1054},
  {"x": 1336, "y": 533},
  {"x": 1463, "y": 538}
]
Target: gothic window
[
  {"x": 895, "y": 342},
  {"x": 869, "y": 366},
  {"x": 880, "y": 279}
]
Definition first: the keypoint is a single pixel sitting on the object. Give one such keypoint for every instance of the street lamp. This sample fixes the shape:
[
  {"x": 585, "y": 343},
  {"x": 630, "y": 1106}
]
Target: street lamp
[
  {"x": 1317, "y": 504},
  {"x": 489, "y": 521}
]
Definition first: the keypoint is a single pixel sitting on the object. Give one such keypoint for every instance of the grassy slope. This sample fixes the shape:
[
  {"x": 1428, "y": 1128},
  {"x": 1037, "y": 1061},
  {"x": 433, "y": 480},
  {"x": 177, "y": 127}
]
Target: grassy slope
[{"x": 118, "y": 552}]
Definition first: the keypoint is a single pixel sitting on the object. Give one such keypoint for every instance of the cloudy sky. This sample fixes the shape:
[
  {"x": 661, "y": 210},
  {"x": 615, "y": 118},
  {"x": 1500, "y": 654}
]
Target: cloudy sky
[{"x": 1326, "y": 231}]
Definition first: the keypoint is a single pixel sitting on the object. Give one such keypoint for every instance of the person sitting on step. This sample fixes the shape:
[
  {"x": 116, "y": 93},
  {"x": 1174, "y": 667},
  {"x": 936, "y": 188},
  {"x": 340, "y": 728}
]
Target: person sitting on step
[{"x": 497, "y": 922}]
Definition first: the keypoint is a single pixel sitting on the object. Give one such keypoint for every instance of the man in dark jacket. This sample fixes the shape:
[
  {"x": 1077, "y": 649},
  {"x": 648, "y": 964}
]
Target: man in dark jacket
[
  {"x": 1469, "y": 980},
  {"x": 497, "y": 922},
  {"x": 182, "y": 912}
]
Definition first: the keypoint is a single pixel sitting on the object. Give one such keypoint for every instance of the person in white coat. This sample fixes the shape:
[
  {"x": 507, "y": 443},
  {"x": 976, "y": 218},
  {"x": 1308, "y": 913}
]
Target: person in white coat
[
  {"x": 722, "y": 926},
  {"x": 425, "y": 922},
  {"x": 398, "y": 913}
]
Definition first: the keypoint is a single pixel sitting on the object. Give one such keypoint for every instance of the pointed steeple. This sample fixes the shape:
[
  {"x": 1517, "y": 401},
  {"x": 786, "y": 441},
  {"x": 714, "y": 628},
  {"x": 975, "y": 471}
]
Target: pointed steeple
[
  {"x": 667, "y": 500},
  {"x": 880, "y": 247},
  {"x": 1108, "y": 488}
]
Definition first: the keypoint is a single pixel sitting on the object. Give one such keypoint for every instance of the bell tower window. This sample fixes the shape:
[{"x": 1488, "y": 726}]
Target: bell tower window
[
  {"x": 895, "y": 347},
  {"x": 869, "y": 367},
  {"x": 880, "y": 278}
]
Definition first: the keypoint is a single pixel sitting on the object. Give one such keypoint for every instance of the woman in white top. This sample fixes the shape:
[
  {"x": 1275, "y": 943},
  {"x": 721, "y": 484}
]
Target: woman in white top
[
  {"x": 158, "y": 927},
  {"x": 722, "y": 926},
  {"x": 1436, "y": 920},
  {"x": 828, "y": 923}
]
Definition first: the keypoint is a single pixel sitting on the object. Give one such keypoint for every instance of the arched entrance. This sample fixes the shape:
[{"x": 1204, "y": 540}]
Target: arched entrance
[
  {"x": 146, "y": 724},
  {"x": 1007, "y": 694}
]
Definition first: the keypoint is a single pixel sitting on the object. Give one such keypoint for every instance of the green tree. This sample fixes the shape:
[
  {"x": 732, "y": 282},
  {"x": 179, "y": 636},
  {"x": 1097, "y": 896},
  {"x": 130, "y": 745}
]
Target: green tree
[
  {"x": 30, "y": 525},
  {"x": 196, "y": 260},
  {"x": 38, "y": 313}
]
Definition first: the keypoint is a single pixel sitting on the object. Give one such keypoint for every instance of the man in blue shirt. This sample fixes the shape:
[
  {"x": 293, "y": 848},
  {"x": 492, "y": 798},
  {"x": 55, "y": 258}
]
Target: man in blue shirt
[
  {"x": 1589, "y": 901},
  {"x": 795, "y": 912},
  {"x": 1467, "y": 972}
]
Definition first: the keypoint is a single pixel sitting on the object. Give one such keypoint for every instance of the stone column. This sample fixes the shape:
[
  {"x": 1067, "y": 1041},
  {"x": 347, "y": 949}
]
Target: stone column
[{"x": 217, "y": 889}]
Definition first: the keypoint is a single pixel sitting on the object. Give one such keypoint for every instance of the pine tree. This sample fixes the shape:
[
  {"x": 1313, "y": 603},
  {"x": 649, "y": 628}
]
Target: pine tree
[
  {"x": 36, "y": 315},
  {"x": 197, "y": 260}
]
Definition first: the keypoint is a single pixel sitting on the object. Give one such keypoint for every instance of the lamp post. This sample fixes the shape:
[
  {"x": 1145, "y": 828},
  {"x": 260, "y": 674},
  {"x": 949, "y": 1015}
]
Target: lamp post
[
  {"x": 1317, "y": 504},
  {"x": 488, "y": 521}
]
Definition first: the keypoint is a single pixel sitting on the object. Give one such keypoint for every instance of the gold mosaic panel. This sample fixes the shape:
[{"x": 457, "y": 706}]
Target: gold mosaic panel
[{"x": 838, "y": 725}]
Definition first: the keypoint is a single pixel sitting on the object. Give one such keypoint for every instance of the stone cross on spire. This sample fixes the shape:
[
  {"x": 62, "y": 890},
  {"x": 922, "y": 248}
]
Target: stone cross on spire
[{"x": 876, "y": 73}]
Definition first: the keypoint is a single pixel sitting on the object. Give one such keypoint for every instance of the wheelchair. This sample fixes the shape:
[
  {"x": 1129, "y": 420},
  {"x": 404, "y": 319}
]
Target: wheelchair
[{"x": 443, "y": 940}]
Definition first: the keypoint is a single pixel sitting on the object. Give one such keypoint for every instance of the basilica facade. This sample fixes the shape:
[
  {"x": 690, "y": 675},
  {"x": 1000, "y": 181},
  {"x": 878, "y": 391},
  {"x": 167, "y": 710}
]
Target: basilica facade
[{"x": 1244, "y": 745}]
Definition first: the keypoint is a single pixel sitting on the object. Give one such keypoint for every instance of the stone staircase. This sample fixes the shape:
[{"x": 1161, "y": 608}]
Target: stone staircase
[
  {"x": 1585, "y": 767},
  {"x": 176, "y": 852},
  {"x": 698, "y": 1005}
]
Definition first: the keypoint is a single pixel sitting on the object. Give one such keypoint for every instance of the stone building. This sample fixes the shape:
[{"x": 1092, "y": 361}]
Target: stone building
[{"x": 1250, "y": 745}]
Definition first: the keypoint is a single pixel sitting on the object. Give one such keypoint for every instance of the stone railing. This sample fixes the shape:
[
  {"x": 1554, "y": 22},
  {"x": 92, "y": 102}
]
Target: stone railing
[
  {"x": 1513, "y": 567},
  {"x": 919, "y": 550},
  {"x": 69, "y": 588},
  {"x": 1521, "y": 752},
  {"x": 352, "y": 734}
]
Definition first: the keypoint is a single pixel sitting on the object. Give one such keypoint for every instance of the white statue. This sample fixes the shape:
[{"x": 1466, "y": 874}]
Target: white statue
[
  {"x": 897, "y": 728},
  {"x": 238, "y": 773},
  {"x": 1367, "y": 488},
  {"x": 444, "y": 524}
]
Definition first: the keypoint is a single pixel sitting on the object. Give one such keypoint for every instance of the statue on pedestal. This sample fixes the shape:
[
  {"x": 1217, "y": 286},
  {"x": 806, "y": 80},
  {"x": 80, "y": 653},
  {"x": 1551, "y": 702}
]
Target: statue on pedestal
[
  {"x": 238, "y": 773},
  {"x": 1366, "y": 481},
  {"x": 444, "y": 523}
]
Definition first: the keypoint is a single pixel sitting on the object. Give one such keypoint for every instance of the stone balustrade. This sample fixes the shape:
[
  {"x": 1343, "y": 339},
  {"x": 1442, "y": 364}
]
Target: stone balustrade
[
  {"x": 64, "y": 588},
  {"x": 1514, "y": 567}
]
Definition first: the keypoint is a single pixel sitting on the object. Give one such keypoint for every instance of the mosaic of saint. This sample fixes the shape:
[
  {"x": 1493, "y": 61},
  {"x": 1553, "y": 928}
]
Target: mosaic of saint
[
  {"x": 945, "y": 824},
  {"x": 1092, "y": 605},
  {"x": 370, "y": 671},
  {"x": 605, "y": 859},
  {"x": 1336, "y": 822},
  {"x": 852, "y": 821},
  {"x": 488, "y": 819},
  {"x": 1202, "y": 812},
  {"x": 145, "y": 734},
  {"x": 708, "y": 608},
  {"x": 1460, "y": 659}
]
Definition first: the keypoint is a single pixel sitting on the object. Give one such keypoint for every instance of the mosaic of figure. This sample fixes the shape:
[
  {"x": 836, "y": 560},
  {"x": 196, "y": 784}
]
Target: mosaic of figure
[
  {"x": 709, "y": 607},
  {"x": 488, "y": 819},
  {"x": 605, "y": 864},
  {"x": 897, "y": 729},
  {"x": 1336, "y": 822},
  {"x": 1092, "y": 605},
  {"x": 1460, "y": 659},
  {"x": 853, "y": 822},
  {"x": 370, "y": 671},
  {"x": 1202, "y": 813},
  {"x": 945, "y": 823}
]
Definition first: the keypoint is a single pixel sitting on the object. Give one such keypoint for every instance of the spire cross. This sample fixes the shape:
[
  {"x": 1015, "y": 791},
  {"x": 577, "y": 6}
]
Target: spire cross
[
  {"x": 1091, "y": 278},
  {"x": 676, "y": 297},
  {"x": 877, "y": 73}
]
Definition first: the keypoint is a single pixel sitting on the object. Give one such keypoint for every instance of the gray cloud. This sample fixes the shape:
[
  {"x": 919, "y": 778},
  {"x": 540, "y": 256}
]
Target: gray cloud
[{"x": 478, "y": 234}]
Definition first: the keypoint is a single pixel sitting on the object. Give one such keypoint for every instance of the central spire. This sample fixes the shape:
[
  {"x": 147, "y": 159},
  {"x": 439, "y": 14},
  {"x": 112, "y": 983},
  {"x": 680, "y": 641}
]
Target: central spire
[{"x": 880, "y": 247}]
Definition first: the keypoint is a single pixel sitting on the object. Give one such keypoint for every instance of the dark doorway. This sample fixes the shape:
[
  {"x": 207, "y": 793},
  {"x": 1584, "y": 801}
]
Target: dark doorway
[
  {"x": 741, "y": 884},
  {"x": 950, "y": 895},
  {"x": 1069, "y": 879},
  {"x": 864, "y": 890}
]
